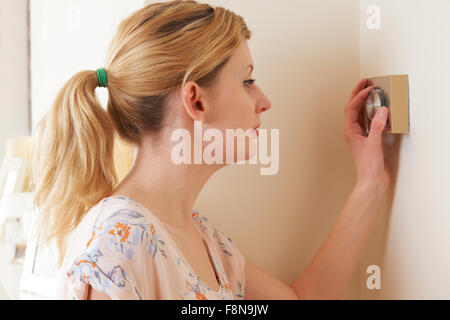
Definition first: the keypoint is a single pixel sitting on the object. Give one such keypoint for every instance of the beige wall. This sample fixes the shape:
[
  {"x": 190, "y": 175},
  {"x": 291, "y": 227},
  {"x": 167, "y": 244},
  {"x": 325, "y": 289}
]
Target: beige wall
[
  {"x": 14, "y": 91},
  {"x": 306, "y": 62},
  {"x": 411, "y": 239}
]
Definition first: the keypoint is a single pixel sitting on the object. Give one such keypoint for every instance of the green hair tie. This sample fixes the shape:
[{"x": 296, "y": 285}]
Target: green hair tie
[{"x": 102, "y": 78}]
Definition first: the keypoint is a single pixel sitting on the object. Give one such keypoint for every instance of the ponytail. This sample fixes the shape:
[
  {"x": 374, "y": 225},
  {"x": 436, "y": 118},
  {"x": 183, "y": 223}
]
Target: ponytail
[{"x": 72, "y": 159}]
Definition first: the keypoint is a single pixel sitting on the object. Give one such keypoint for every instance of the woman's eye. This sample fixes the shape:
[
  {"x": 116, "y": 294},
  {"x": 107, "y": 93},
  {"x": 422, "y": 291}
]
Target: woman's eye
[{"x": 249, "y": 82}]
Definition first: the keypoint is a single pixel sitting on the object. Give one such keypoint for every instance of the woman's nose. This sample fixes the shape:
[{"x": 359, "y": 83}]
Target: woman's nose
[{"x": 264, "y": 104}]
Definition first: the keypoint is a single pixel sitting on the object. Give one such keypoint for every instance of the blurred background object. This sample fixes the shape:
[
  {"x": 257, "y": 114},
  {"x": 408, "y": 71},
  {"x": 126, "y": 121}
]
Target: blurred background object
[
  {"x": 15, "y": 212},
  {"x": 16, "y": 207},
  {"x": 3, "y": 294}
]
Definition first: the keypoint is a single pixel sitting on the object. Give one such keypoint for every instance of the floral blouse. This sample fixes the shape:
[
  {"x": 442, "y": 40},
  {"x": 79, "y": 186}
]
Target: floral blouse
[{"x": 123, "y": 250}]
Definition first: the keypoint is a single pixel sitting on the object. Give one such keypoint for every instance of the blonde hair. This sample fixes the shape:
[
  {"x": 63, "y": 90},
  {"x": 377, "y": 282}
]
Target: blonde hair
[{"x": 155, "y": 50}]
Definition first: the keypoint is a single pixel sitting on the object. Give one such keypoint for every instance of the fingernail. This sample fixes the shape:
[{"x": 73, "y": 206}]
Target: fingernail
[{"x": 382, "y": 112}]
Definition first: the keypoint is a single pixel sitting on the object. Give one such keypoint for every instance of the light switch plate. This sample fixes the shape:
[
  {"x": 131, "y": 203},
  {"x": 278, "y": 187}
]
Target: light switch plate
[{"x": 396, "y": 90}]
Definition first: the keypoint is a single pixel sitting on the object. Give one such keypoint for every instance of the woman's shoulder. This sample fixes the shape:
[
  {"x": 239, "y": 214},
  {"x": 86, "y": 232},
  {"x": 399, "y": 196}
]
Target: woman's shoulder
[
  {"x": 121, "y": 210},
  {"x": 124, "y": 199},
  {"x": 121, "y": 245},
  {"x": 110, "y": 206},
  {"x": 122, "y": 222}
]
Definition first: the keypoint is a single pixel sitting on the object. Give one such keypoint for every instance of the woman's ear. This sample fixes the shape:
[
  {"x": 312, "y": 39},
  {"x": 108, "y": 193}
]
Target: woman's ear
[{"x": 194, "y": 101}]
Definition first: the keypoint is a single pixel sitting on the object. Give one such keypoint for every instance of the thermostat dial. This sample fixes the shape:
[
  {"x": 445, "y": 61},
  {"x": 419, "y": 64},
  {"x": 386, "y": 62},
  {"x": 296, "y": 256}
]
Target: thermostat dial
[{"x": 376, "y": 99}]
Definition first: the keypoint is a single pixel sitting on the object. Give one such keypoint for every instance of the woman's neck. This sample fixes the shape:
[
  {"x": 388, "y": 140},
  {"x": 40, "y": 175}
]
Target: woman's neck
[{"x": 167, "y": 190}]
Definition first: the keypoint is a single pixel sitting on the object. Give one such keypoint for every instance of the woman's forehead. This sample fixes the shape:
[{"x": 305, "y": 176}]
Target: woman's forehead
[{"x": 241, "y": 61}]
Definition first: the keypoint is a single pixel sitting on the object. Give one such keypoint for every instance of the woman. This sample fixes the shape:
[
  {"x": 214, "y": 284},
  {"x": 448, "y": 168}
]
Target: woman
[{"x": 171, "y": 64}]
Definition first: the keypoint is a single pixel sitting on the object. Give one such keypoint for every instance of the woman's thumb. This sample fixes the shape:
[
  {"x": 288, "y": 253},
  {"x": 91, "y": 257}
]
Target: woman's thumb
[{"x": 378, "y": 123}]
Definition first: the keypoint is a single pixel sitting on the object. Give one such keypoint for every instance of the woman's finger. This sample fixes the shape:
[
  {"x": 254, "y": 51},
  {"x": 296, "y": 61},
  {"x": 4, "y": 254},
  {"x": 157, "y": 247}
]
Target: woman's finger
[
  {"x": 356, "y": 104},
  {"x": 361, "y": 85},
  {"x": 377, "y": 126}
]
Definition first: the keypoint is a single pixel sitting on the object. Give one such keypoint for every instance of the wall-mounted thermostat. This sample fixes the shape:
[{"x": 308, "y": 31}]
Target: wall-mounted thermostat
[{"x": 391, "y": 92}]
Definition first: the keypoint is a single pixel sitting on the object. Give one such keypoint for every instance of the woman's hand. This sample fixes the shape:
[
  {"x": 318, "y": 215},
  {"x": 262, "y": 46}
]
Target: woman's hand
[{"x": 367, "y": 151}]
